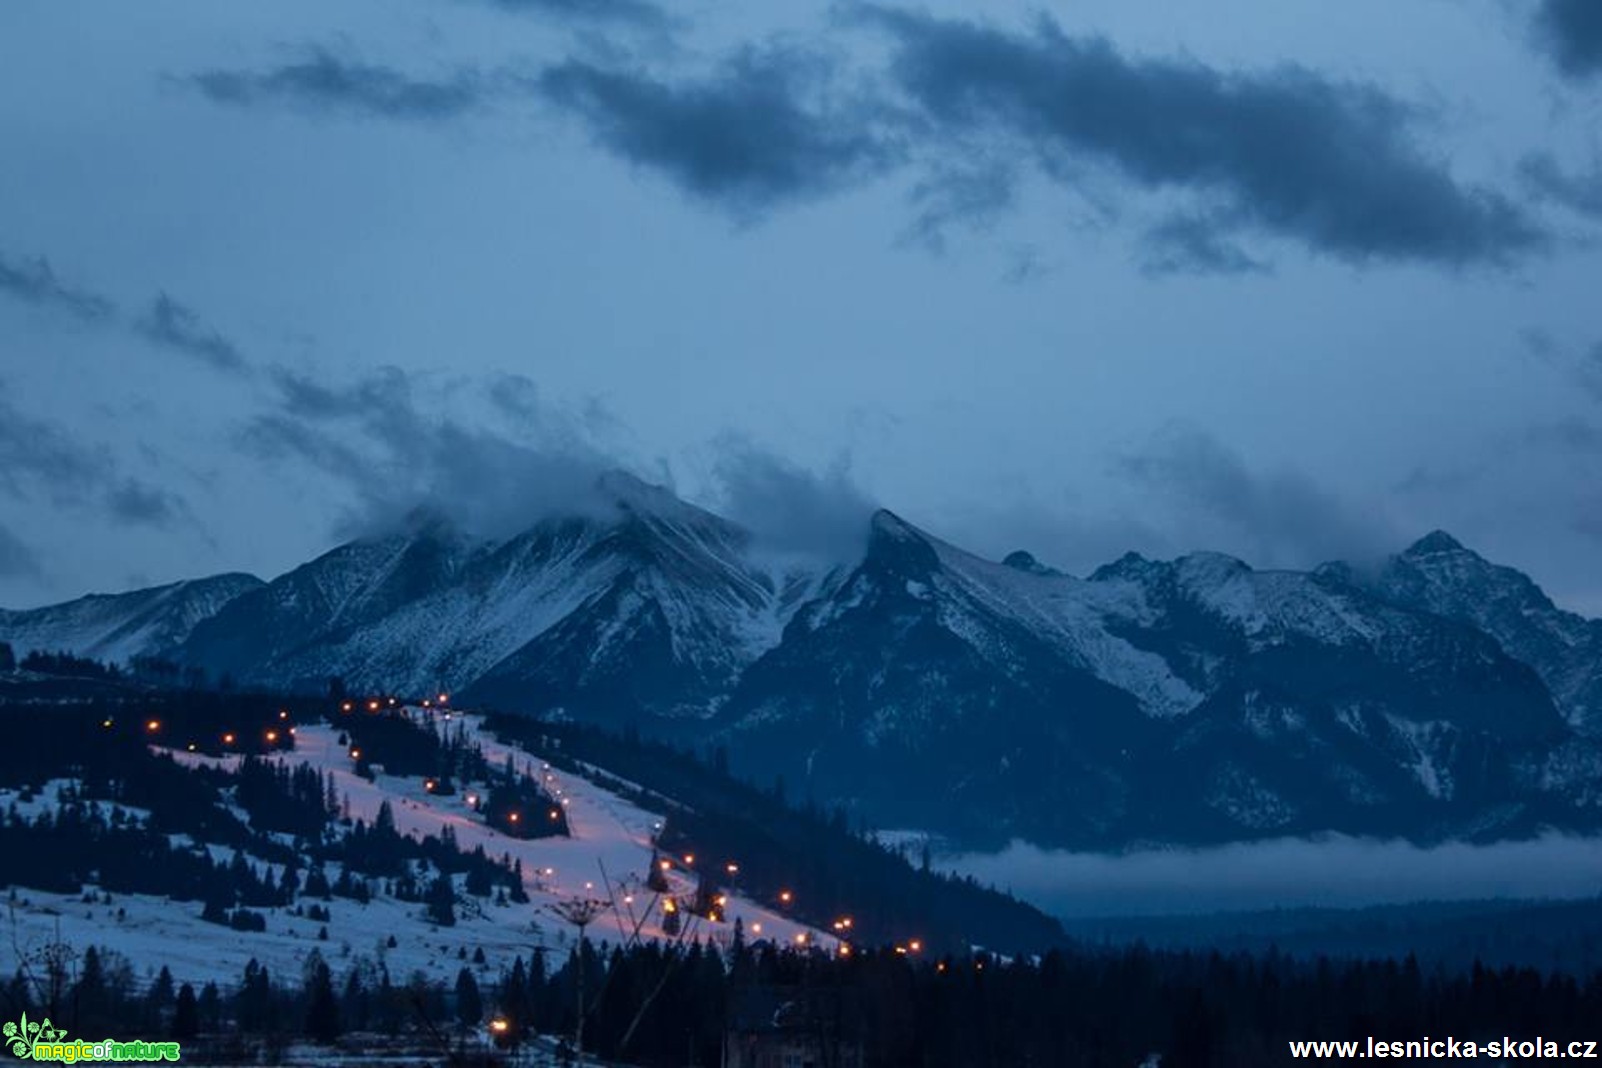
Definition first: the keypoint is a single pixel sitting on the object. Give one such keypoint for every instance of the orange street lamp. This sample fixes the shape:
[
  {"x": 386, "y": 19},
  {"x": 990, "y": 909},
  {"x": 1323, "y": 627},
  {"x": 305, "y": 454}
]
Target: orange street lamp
[
  {"x": 228, "y": 739},
  {"x": 786, "y": 897},
  {"x": 272, "y": 736},
  {"x": 153, "y": 726}
]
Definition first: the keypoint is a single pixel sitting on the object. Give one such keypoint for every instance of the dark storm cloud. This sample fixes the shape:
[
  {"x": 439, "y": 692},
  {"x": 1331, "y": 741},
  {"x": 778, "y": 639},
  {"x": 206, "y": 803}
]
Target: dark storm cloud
[
  {"x": 1195, "y": 244},
  {"x": 637, "y": 12},
  {"x": 33, "y": 281},
  {"x": 755, "y": 134},
  {"x": 132, "y": 501},
  {"x": 174, "y": 326},
  {"x": 16, "y": 559},
  {"x": 789, "y": 507},
  {"x": 41, "y": 459},
  {"x": 1283, "y": 516},
  {"x": 973, "y": 194},
  {"x": 1571, "y": 33},
  {"x": 1582, "y": 367},
  {"x": 1331, "y": 165},
  {"x": 323, "y": 81},
  {"x": 386, "y": 439},
  {"x": 1577, "y": 192},
  {"x": 1572, "y": 435},
  {"x": 515, "y": 396}
]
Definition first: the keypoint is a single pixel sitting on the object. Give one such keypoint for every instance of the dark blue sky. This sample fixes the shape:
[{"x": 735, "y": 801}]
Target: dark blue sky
[{"x": 1292, "y": 280}]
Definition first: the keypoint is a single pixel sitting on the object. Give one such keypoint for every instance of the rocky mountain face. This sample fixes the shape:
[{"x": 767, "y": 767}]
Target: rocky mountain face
[
  {"x": 1192, "y": 700},
  {"x": 646, "y": 610},
  {"x": 1438, "y": 575},
  {"x": 120, "y": 626}
]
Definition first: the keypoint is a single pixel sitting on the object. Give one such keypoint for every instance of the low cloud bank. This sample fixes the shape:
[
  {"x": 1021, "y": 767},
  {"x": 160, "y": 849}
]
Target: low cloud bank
[{"x": 1335, "y": 872}]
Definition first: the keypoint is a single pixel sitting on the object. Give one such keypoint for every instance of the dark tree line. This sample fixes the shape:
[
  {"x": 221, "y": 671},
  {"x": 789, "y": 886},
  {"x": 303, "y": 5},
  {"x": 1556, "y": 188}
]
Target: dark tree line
[{"x": 658, "y": 1005}]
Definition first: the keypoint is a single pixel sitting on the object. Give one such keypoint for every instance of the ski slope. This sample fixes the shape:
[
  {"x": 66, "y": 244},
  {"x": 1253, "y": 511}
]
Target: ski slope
[{"x": 606, "y": 859}]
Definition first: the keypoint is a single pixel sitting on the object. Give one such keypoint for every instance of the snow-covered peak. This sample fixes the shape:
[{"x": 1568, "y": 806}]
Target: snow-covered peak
[
  {"x": 117, "y": 627},
  {"x": 1434, "y": 543}
]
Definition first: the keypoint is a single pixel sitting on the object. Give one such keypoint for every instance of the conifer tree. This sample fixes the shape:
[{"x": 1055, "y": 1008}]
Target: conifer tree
[
  {"x": 469, "y": 1004},
  {"x": 186, "y": 1014}
]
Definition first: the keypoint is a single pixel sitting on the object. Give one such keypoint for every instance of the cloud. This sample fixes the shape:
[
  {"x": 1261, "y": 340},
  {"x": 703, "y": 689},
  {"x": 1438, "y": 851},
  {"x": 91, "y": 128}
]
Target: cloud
[
  {"x": 177, "y": 327},
  {"x": 1195, "y": 244},
  {"x": 16, "y": 559},
  {"x": 788, "y": 507},
  {"x": 1581, "y": 193},
  {"x": 33, "y": 281},
  {"x": 397, "y": 449},
  {"x": 323, "y": 81},
  {"x": 759, "y": 132},
  {"x": 1282, "y": 517},
  {"x": 1331, "y": 871},
  {"x": 41, "y": 459},
  {"x": 1333, "y": 166},
  {"x": 636, "y": 12},
  {"x": 132, "y": 501},
  {"x": 1570, "y": 31},
  {"x": 974, "y": 193},
  {"x": 515, "y": 396},
  {"x": 1582, "y": 366}
]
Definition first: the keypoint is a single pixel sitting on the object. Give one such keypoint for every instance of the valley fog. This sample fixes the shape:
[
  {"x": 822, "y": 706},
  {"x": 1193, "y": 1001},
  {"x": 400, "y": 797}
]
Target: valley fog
[{"x": 1336, "y": 871}]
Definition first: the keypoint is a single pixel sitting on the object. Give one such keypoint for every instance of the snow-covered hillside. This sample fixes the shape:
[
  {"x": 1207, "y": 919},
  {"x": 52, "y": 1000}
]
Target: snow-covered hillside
[
  {"x": 1194, "y": 699},
  {"x": 605, "y": 858},
  {"x": 117, "y": 627}
]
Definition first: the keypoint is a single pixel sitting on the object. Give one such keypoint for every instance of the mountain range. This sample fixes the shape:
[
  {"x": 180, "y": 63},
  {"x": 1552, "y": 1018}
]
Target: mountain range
[{"x": 1433, "y": 696}]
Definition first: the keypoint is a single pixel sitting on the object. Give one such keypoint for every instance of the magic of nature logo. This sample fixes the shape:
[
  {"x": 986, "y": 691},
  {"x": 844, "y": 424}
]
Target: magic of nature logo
[{"x": 37, "y": 1040}]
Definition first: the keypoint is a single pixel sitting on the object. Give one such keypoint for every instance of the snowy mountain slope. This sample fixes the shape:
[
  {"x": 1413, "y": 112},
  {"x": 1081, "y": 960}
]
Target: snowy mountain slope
[
  {"x": 1190, "y": 700},
  {"x": 650, "y": 608},
  {"x": 1437, "y": 574},
  {"x": 607, "y": 834},
  {"x": 1195, "y": 698},
  {"x": 120, "y": 626}
]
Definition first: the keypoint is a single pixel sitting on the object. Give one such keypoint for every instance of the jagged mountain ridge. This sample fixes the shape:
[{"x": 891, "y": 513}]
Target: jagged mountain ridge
[
  {"x": 119, "y": 626},
  {"x": 1190, "y": 700},
  {"x": 646, "y": 608},
  {"x": 1187, "y": 700},
  {"x": 1438, "y": 574}
]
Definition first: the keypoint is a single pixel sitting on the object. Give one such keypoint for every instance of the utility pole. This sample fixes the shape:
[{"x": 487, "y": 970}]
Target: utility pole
[{"x": 580, "y": 912}]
